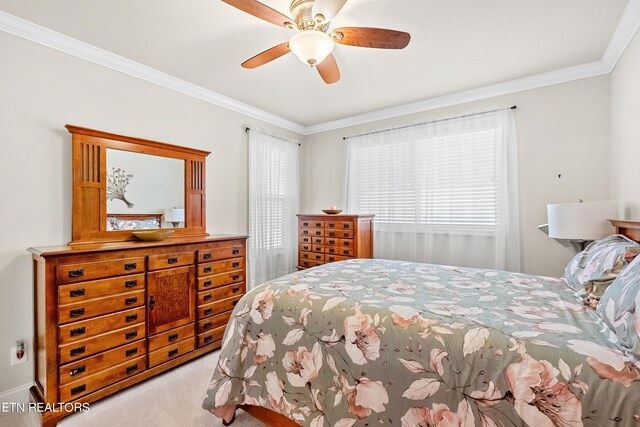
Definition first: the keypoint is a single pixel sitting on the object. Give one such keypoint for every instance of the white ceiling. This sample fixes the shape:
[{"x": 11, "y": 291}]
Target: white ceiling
[{"x": 456, "y": 45}]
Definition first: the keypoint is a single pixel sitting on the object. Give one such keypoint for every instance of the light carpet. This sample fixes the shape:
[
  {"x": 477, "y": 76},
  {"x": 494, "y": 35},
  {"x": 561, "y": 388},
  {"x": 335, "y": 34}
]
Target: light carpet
[{"x": 170, "y": 399}]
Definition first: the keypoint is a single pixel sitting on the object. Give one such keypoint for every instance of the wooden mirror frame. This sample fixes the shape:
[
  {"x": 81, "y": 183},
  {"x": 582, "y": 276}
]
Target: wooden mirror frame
[{"x": 89, "y": 163}]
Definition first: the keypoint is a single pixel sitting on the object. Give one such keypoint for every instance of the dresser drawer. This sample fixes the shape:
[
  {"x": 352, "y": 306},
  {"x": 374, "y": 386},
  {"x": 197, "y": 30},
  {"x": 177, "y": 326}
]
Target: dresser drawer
[
  {"x": 345, "y": 243},
  {"x": 158, "y": 262},
  {"x": 211, "y": 336},
  {"x": 305, "y": 247},
  {"x": 331, "y": 241},
  {"x": 217, "y": 307},
  {"x": 339, "y": 234},
  {"x": 171, "y": 337},
  {"x": 220, "y": 266},
  {"x": 331, "y": 249},
  {"x": 345, "y": 251},
  {"x": 335, "y": 258},
  {"x": 316, "y": 256},
  {"x": 305, "y": 255},
  {"x": 312, "y": 232},
  {"x": 206, "y": 255},
  {"x": 99, "y": 306},
  {"x": 312, "y": 224},
  {"x": 317, "y": 248},
  {"x": 91, "y": 365},
  {"x": 76, "y": 292},
  {"x": 309, "y": 263},
  {"x": 99, "y": 325},
  {"x": 90, "y": 346},
  {"x": 74, "y": 273},
  {"x": 171, "y": 352},
  {"x": 305, "y": 239},
  {"x": 206, "y": 283},
  {"x": 206, "y": 325},
  {"x": 317, "y": 240},
  {"x": 339, "y": 225},
  {"x": 222, "y": 292},
  {"x": 102, "y": 379}
]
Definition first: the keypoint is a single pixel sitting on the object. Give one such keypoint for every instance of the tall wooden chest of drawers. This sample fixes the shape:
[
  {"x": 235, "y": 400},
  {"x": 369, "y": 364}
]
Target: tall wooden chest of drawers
[
  {"x": 329, "y": 238},
  {"x": 109, "y": 316}
]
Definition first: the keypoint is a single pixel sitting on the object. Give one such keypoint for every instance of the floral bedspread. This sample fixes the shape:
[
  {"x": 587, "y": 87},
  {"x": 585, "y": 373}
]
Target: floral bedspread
[{"x": 370, "y": 342}]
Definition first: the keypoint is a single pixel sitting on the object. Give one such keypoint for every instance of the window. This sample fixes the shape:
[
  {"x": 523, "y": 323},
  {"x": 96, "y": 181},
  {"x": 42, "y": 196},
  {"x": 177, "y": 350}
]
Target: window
[
  {"x": 449, "y": 177},
  {"x": 273, "y": 205}
]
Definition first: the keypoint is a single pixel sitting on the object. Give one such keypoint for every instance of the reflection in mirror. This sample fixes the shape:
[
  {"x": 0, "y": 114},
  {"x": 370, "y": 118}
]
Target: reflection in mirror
[{"x": 139, "y": 189}]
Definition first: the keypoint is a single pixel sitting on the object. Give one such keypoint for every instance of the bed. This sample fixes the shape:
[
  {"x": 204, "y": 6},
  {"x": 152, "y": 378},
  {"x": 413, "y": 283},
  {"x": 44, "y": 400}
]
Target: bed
[{"x": 369, "y": 342}]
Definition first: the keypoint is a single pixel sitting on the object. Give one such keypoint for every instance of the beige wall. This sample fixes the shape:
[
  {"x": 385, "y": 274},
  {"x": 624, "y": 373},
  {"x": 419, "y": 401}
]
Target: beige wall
[
  {"x": 625, "y": 131},
  {"x": 562, "y": 130},
  {"x": 41, "y": 90}
]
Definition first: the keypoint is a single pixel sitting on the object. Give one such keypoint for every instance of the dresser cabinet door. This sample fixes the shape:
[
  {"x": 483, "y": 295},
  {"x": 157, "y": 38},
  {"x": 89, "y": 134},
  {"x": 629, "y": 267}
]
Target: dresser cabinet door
[{"x": 171, "y": 298}]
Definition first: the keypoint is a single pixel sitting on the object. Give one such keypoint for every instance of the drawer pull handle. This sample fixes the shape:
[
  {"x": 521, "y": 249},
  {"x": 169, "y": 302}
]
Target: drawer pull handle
[
  {"x": 76, "y": 312},
  {"x": 78, "y": 370},
  {"x": 305, "y": 232},
  {"x": 130, "y": 266},
  {"x": 234, "y": 303},
  {"x": 345, "y": 243},
  {"x": 318, "y": 224},
  {"x": 235, "y": 277},
  {"x": 305, "y": 256},
  {"x": 332, "y": 234},
  {"x": 172, "y": 261},
  {"x": 173, "y": 337},
  {"x": 207, "y": 325},
  {"x": 130, "y": 301},
  {"x": 131, "y": 318},
  {"x": 132, "y": 368},
  {"x": 332, "y": 242},
  {"x": 130, "y": 283},
  {"x": 346, "y": 226},
  {"x": 346, "y": 252},
  {"x": 236, "y": 289},
  {"x": 207, "y": 270},
  {"x": 331, "y": 259},
  {"x": 173, "y": 352},
  {"x": 318, "y": 233},
  {"x": 74, "y": 274},
  {"x": 130, "y": 335},
  {"x": 207, "y": 297},
  {"x": 331, "y": 225},
  {"x": 235, "y": 265},
  {"x": 235, "y": 251},
  {"x": 332, "y": 250},
  {"x": 77, "y": 351},
  {"x": 208, "y": 339},
  {"x": 78, "y": 389},
  {"x": 131, "y": 352},
  {"x": 208, "y": 311},
  {"x": 305, "y": 224},
  {"x": 78, "y": 331},
  {"x": 152, "y": 302},
  {"x": 207, "y": 283},
  {"x": 76, "y": 293},
  {"x": 206, "y": 256},
  {"x": 318, "y": 257},
  {"x": 346, "y": 235}
]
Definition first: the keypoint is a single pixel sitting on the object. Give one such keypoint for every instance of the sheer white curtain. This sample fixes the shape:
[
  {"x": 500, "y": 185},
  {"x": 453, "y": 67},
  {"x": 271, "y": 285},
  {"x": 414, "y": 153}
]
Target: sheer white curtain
[
  {"x": 273, "y": 205},
  {"x": 443, "y": 192}
]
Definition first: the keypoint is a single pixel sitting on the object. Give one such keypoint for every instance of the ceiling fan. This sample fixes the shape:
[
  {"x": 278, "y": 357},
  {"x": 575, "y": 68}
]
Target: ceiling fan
[{"x": 313, "y": 43}]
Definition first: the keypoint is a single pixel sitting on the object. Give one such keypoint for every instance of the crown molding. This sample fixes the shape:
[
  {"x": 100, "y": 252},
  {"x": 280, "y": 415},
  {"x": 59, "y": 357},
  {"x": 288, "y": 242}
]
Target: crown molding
[
  {"x": 578, "y": 72},
  {"x": 626, "y": 29},
  {"x": 622, "y": 36},
  {"x": 33, "y": 32}
]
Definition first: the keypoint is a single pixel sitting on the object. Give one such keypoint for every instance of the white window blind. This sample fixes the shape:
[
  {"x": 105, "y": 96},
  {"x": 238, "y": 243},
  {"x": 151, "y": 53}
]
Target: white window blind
[
  {"x": 450, "y": 177},
  {"x": 273, "y": 205}
]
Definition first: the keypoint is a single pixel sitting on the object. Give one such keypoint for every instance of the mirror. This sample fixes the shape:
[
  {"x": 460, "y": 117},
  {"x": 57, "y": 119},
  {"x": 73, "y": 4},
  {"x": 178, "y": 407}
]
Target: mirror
[
  {"x": 122, "y": 183},
  {"x": 140, "y": 187}
]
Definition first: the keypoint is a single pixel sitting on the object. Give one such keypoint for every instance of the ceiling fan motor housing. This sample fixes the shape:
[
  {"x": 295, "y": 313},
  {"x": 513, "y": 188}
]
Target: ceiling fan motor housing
[{"x": 302, "y": 12}]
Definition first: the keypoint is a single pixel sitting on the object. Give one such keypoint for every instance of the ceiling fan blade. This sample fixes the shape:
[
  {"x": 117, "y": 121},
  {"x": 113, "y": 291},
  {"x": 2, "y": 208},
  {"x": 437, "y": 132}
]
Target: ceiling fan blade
[
  {"x": 267, "y": 56},
  {"x": 329, "y": 70},
  {"x": 262, "y": 11},
  {"x": 379, "y": 38},
  {"x": 327, "y": 8}
]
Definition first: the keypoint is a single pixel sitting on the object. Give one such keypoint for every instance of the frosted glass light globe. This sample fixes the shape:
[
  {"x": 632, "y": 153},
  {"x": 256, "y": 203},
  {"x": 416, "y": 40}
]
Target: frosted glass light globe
[{"x": 312, "y": 46}]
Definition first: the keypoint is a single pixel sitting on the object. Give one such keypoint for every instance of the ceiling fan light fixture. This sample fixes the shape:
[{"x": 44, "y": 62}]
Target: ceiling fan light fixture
[{"x": 312, "y": 46}]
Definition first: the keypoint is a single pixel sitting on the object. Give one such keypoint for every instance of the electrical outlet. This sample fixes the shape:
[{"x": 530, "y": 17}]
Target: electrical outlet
[{"x": 19, "y": 350}]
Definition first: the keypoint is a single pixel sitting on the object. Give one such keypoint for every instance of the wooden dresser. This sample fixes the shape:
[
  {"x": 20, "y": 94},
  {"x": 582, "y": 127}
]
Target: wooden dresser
[
  {"x": 329, "y": 238},
  {"x": 108, "y": 316}
]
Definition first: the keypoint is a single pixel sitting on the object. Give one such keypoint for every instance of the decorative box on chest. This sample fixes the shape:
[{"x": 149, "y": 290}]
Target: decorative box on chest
[{"x": 329, "y": 238}]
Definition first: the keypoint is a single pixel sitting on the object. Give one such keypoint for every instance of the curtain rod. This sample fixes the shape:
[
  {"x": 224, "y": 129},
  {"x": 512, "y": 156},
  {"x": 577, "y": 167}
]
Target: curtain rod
[
  {"x": 428, "y": 122},
  {"x": 282, "y": 138}
]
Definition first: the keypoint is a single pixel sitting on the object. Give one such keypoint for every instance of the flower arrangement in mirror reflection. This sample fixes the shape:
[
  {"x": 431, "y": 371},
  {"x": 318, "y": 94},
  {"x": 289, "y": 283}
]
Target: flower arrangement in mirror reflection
[{"x": 117, "y": 183}]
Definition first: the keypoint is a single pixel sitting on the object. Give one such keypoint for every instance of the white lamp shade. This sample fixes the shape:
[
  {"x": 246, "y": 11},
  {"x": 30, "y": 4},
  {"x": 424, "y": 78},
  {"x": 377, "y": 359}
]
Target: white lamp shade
[
  {"x": 581, "y": 221},
  {"x": 312, "y": 46},
  {"x": 174, "y": 215}
]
